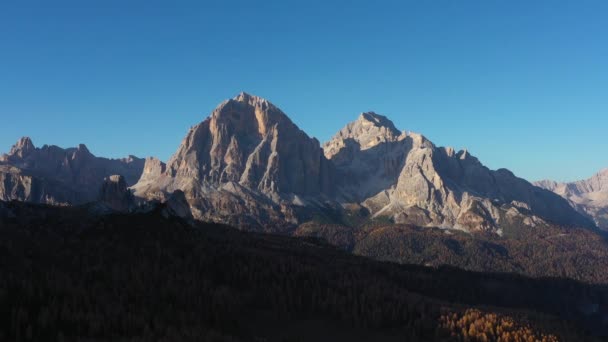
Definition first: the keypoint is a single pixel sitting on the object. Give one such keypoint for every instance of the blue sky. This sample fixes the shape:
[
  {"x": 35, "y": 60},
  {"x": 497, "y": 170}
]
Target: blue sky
[{"x": 521, "y": 84}]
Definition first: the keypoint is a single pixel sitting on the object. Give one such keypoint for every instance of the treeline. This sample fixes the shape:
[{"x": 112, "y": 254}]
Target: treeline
[{"x": 543, "y": 251}]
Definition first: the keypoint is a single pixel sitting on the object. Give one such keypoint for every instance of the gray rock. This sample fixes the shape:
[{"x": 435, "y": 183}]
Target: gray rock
[
  {"x": 246, "y": 164},
  {"x": 115, "y": 194},
  {"x": 407, "y": 178},
  {"x": 177, "y": 205},
  {"x": 54, "y": 175},
  {"x": 589, "y": 196}
]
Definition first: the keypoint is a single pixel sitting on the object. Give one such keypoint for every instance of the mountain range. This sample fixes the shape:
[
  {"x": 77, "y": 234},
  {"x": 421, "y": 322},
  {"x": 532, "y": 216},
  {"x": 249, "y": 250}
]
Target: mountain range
[
  {"x": 372, "y": 190},
  {"x": 250, "y": 166}
]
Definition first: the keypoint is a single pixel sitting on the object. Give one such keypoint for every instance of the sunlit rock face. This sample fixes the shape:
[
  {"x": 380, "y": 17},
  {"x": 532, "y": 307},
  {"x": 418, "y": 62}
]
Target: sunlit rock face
[
  {"x": 54, "y": 175},
  {"x": 249, "y": 165},
  {"x": 589, "y": 196},
  {"x": 405, "y": 177},
  {"x": 246, "y": 164}
]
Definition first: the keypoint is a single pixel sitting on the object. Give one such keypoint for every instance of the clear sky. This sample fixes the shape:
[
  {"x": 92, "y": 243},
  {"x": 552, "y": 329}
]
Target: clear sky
[{"x": 521, "y": 84}]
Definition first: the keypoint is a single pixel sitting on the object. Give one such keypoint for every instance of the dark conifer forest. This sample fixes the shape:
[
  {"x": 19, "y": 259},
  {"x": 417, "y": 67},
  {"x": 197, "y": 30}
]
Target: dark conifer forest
[{"x": 68, "y": 275}]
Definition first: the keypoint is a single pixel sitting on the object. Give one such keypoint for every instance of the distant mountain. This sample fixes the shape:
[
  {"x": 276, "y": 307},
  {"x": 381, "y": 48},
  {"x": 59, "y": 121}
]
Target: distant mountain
[
  {"x": 54, "y": 175},
  {"x": 589, "y": 196},
  {"x": 249, "y": 165}
]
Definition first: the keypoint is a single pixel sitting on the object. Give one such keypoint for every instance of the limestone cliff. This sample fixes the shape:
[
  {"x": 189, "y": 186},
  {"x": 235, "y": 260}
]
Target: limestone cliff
[
  {"x": 407, "y": 178},
  {"x": 246, "y": 164}
]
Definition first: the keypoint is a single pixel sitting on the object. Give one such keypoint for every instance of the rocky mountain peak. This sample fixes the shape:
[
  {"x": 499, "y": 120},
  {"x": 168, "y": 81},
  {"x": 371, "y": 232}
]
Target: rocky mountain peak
[
  {"x": 377, "y": 120},
  {"x": 250, "y": 115},
  {"x": 369, "y": 130},
  {"x": 247, "y": 157},
  {"x": 22, "y": 147},
  {"x": 81, "y": 152},
  {"x": 370, "y": 126},
  {"x": 404, "y": 176},
  {"x": 251, "y": 99}
]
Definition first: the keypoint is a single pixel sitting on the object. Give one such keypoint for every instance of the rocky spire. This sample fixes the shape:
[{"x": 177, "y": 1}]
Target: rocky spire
[
  {"x": 22, "y": 147},
  {"x": 114, "y": 194}
]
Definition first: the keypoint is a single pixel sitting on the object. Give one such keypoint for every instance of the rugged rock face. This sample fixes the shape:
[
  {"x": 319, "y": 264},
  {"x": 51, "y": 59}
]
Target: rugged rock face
[
  {"x": 250, "y": 166},
  {"x": 17, "y": 184},
  {"x": 54, "y": 175},
  {"x": 151, "y": 179},
  {"x": 115, "y": 194},
  {"x": 369, "y": 154},
  {"x": 407, "y": 178},
  {"x": 589, "y": 196},
  {"x": 246, "y": 164},
  {"x": 177, "y": 205}
]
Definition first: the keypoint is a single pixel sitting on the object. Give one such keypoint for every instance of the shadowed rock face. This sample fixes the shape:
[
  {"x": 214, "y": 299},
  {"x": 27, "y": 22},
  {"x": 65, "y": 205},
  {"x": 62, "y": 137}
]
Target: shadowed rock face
[
  {"x": 54, "y": 175},
  {"x": 407, "y": 178},
  {"x": 17, "y": 184},
  {"x": 589, "y": 196},
  {"x": 369, "y": 154},
  {"x": 246, "y": 164},
  {"x": 115, "y": 195}
]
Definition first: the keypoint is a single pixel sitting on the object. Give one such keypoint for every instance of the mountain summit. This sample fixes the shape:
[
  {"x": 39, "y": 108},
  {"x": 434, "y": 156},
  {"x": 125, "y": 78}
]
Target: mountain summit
[
  {"x": 21, "y": 148},
  {"x": 369, "y": 130},
  {"x": 246, "y": 164}
]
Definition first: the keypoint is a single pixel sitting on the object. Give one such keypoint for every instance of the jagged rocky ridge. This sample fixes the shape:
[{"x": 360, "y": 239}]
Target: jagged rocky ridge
[
  {"x": 248, "y": 165},
  {"x": 407, "y": 178},
  {"x": 54, "y": 175},
  {"x": 589, "y": 196}
]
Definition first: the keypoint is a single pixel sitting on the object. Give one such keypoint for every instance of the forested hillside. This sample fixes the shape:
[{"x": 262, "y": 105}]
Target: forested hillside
[{"x": 69, "y": 275}]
